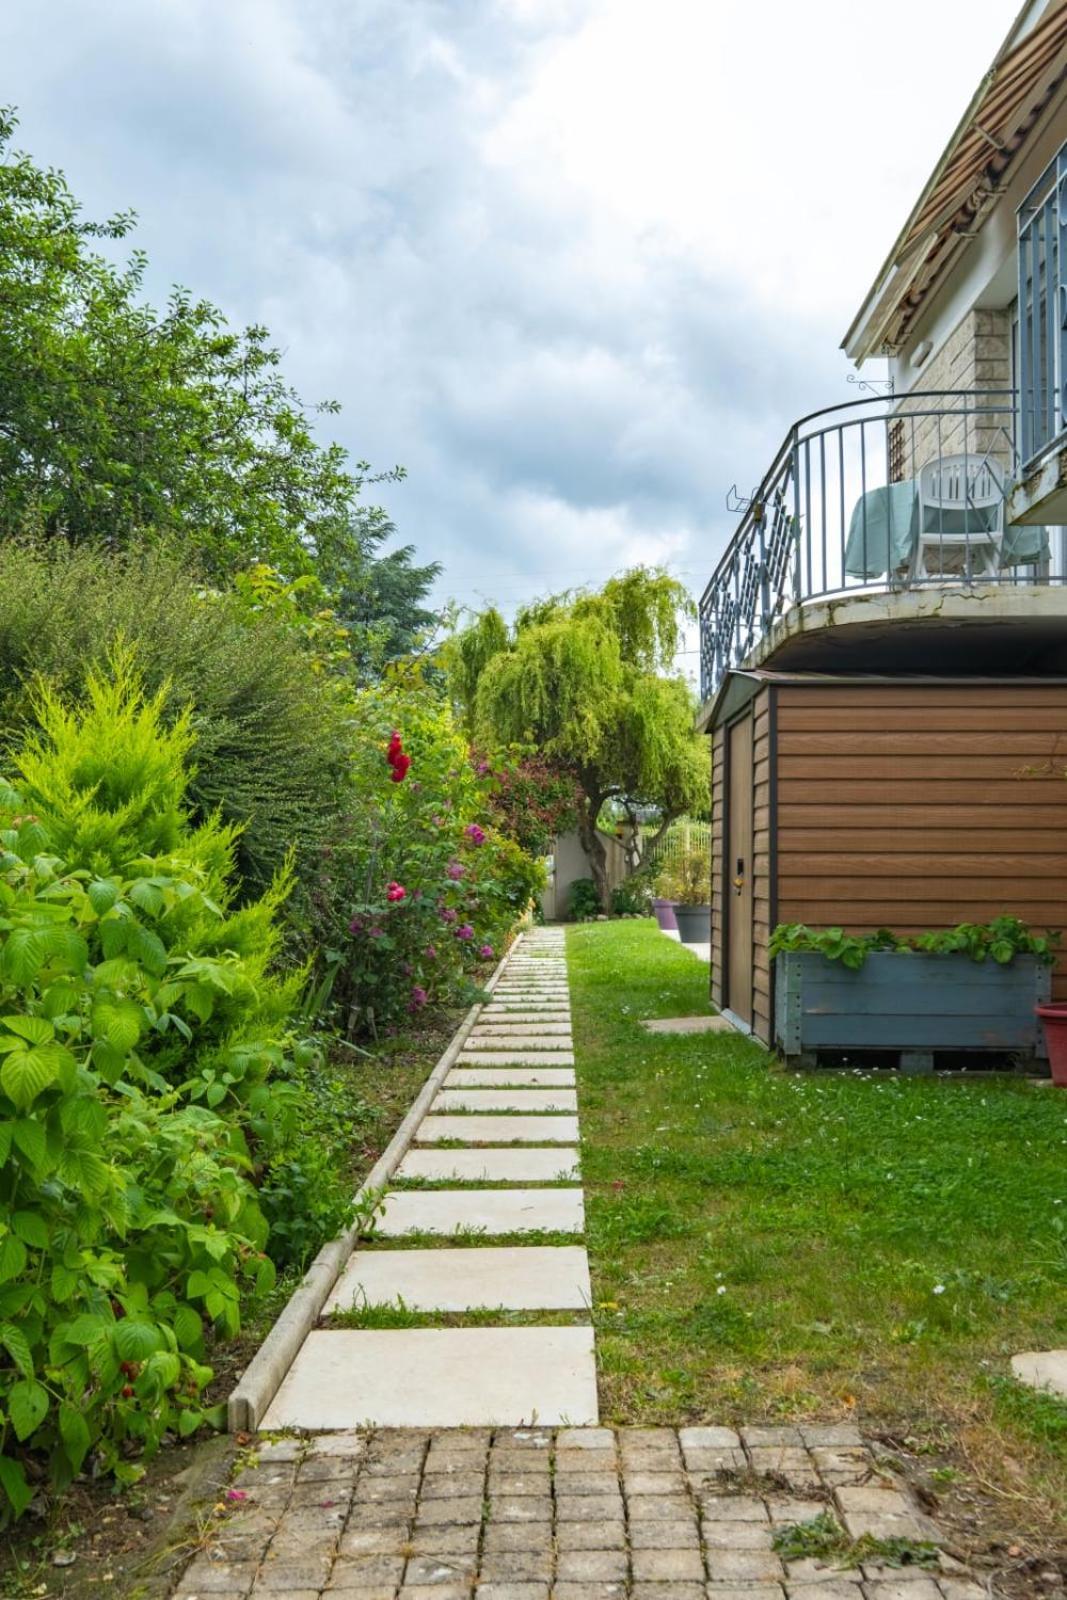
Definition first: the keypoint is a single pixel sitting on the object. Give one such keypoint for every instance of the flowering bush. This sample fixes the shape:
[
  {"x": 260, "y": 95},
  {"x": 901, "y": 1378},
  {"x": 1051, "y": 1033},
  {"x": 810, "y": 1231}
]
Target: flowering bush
[{"x": 419, "y": 890}]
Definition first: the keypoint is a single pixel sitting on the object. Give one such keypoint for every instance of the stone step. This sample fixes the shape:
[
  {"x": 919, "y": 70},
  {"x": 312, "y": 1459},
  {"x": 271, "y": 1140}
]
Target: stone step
[
  {"x": 439, "y": 1378},
  {"x": 489, "y": 1211},
  {"x": 504, "y": 1039},
  {"x": 522, "y": 1164},
  {"x": 511, "y": 1278}
]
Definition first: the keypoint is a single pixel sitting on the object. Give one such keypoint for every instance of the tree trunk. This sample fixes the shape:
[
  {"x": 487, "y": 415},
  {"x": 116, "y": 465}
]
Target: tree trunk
[{"x": 593, "y": 845}]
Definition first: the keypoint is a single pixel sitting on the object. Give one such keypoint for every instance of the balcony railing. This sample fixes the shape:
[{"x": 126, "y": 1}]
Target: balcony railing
[{"x": 875, "y": 496}]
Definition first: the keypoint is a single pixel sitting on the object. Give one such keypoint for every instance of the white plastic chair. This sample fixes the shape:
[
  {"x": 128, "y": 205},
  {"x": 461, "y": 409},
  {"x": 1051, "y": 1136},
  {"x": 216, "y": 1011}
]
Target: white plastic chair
[{"x": 963, "y": 488}]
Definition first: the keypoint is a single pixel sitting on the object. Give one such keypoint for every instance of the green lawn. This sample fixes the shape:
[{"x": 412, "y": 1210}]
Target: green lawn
[{"x": 770, "y": 1245}]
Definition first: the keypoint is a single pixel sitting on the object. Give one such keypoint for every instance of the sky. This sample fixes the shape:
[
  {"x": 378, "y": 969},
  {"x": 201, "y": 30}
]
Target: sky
[{"x": 575, "y": 264}]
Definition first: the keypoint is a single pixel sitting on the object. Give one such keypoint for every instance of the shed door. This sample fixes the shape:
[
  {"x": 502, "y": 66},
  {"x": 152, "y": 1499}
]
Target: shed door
[{"x": 739, "y": 870}]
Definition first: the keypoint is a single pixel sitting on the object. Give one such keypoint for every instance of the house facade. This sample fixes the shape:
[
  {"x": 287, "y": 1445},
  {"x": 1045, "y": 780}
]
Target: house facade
[{"x": 884, "y": 641}]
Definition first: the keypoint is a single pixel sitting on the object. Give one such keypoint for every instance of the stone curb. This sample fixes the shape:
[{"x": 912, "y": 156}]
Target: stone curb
[{"x": 263, "y": 1376}]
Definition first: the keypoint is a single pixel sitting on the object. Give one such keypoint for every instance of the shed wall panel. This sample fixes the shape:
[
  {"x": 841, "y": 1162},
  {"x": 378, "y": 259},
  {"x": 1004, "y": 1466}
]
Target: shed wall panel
[{"x": 920, "y": 806}]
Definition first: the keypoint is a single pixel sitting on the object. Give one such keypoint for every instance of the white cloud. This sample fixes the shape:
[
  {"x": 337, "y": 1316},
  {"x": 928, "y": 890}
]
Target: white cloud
[{"x": 576, "y": 263}]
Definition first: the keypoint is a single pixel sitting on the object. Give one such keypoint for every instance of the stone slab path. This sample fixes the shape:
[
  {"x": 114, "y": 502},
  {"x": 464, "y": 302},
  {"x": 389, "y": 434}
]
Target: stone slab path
[
  {"x": 508, "y": 1099},
  {"x": 567, "y": 1514}
]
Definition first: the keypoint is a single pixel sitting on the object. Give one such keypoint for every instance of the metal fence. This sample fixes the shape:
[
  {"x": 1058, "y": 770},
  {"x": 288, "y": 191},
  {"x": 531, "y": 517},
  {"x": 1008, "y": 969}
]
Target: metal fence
[
  {"x": 875, "y": 495},
  {"x": 683, "y": 836}
]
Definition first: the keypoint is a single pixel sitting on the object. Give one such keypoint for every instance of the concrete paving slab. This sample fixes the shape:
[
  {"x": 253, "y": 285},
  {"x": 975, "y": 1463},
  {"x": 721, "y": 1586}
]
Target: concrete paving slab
[
  {"x": 519, "y": 1041},
  {"x": 490, "y": 1211},
  {"x": 508, "y": 1077},
  {"x": 515, "y": 1278},
  {"x": 546, "y": 1028},
  {"x": 493, "y": 1016},
  {"x": 1042, "y": 1369},
  {"x": 498, "y": 1130},
  {"x": 688, "y": 1025},
  {"x": 516, "y": 1058},
  {"x": 535, "y": 1100},
  {"x": 517, "y": 1165},
  {"x": 439, "y": 1378}
]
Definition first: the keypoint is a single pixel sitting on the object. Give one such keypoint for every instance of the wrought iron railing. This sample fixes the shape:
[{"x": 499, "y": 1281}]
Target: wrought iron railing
[
  {"x": 875, "y": 495},
  {"x": 1042, "y": 347}
]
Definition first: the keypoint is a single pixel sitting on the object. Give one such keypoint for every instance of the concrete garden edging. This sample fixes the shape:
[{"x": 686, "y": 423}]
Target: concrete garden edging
[{"x": 262, "y": 1377}]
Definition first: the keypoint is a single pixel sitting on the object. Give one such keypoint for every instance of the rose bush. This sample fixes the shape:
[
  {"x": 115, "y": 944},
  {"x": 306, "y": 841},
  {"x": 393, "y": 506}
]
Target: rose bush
[{"x": 418, "y": 891}]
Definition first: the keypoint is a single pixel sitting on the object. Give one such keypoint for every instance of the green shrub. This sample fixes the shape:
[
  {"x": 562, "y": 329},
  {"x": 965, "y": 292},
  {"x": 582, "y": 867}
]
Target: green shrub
[
  {"x": 632, "y": 898},
  {"x": 143, "y": 1077},
  {"x": 584, "y": 901},
  {"x": 270, "y": 732}
]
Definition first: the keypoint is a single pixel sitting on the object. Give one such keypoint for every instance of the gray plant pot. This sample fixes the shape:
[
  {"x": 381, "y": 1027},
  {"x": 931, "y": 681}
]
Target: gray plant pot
[{"x": 694, "y": 924}]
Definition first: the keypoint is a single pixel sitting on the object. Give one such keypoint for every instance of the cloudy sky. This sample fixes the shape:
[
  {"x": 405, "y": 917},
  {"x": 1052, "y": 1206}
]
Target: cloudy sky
[{"x": 575, "y": 263}]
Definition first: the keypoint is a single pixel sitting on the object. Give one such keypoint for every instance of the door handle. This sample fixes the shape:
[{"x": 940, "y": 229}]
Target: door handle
[{"x": 739, "y": 880}]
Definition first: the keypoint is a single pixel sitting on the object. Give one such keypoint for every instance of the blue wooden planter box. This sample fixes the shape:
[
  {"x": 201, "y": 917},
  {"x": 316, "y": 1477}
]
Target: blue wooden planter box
[{"x": 912, "y": 1002}]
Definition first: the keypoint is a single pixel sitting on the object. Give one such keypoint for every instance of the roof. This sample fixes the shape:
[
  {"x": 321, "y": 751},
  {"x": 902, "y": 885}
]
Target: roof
[{"x": 1009, "y": 102}]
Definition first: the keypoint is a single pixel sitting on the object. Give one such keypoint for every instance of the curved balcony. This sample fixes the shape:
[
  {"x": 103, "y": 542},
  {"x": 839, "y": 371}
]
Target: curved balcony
[{"x": 875, "y": 496}]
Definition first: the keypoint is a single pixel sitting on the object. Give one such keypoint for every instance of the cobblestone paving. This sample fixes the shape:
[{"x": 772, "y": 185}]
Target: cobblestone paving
[{"x": 561, "y": 1514}]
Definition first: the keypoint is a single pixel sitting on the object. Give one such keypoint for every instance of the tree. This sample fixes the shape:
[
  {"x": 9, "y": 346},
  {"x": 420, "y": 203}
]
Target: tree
[
  {"x": 586, "y": 678},
  {"x": 122, "y": 425}
]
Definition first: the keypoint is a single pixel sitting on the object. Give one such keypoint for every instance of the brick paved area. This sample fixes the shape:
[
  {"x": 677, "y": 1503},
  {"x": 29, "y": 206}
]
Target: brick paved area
[{"x": 571, "y": 1514}]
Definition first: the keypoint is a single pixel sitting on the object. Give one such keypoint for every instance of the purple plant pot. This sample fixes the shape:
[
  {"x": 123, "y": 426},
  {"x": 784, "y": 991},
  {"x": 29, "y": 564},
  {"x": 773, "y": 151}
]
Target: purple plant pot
[{"x": 665, "y": 916}]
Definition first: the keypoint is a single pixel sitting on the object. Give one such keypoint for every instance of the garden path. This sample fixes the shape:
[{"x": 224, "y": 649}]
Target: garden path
[{"x": 495, "y": 1159}]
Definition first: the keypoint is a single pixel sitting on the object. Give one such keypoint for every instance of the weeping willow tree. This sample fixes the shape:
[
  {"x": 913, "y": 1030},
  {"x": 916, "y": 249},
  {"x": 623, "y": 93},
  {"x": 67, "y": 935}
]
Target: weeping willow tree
[{"x": 587, "y": 678}]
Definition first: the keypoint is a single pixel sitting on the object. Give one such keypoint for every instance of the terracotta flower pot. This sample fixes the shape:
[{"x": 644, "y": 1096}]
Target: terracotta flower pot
[
  {"x": 665, "y": 916},
  {"x": 1054, "y": 1019}
]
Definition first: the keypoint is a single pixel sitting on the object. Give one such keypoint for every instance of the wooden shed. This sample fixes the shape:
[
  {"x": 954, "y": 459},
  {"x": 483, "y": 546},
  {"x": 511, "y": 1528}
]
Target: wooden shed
[{"x": 881, "y": 800}]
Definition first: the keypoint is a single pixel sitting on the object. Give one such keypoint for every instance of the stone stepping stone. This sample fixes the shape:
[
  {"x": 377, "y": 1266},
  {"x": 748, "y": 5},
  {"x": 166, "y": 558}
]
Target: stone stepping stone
[
  {"x": 505, "y": 1100},
  {"x": 498, "y": 1130},
  {"x": 524, "y": 1012},
  {"x": 1042, "y": 1369},
  {"x": 522, "y": 1164},
  {"x": 489, "y": 1211},
  {"x": 439, "y": 1378},
  {"x": 516, "y": 1058},
  {"x": 519, "y": 1041},
  {"x": 512, "y": 1278},
  {"x": 509, "y": 1078}
]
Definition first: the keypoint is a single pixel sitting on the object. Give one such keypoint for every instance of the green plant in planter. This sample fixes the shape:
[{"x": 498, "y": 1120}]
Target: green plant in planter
[
  {"x": 686, "y": 881},
  {"x": 1000, "y": 940}
]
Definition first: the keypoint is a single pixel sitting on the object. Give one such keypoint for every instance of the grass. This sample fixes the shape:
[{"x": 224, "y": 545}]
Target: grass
[
  {"x": 399, "y": 1315},
  {"x": 772, "y": 1245}
]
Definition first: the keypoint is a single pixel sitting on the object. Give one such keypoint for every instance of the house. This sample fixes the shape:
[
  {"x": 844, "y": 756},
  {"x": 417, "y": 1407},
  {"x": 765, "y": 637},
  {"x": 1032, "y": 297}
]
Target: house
[{"x": 884, "y": 641}]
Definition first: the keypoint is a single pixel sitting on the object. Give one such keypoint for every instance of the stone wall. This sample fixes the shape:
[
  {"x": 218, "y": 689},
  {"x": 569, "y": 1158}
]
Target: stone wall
[{"x": 975, "y": 356}]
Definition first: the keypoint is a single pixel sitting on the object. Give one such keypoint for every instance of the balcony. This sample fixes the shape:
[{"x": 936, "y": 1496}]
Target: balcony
[{"x": 878, "y": 497}]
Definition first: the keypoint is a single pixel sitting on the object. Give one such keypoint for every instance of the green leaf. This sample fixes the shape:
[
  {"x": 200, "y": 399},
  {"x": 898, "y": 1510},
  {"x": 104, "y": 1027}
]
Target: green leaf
[
  {"x": 147, "y": 948},
  {"x": 27, "y": 1405},
  {"x": 13, "y": 1482},
  {"x": 188, "y": 1422},
  {"x": 6, "y": 1131},
  {"x": 120, "y": 1022},
  {"x": 17, "y": 1346},
  {"x": 35, "y": 1030},
  {"x": 24, "y": 953},
  {"x": 12, "y": 1257},
  {"x": 32, "y": 1140},
  {"x": 74, "y": 1431},
  {"x": 146, "y": 897},
  {"x": 188, "y": 1328},
  {"x": 83, "y": 1171},
  {"x": 64, "y": 1281},
  {"x": 102, "y": 895},
  {"x": 31, "y": 1229},
  {"x": 26, "y": 1073},
  {"x": 136, "y": 1341}
]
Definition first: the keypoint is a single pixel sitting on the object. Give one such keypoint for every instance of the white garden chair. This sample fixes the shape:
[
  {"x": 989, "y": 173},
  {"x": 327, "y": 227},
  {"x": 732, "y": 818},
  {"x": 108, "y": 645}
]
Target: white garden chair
[{"x": 965, "y": 492}]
